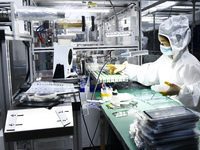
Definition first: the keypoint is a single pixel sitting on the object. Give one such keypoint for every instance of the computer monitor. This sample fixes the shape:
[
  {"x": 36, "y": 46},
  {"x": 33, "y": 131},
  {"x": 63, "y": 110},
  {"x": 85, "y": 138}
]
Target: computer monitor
[{"x": 19, "y": 63}]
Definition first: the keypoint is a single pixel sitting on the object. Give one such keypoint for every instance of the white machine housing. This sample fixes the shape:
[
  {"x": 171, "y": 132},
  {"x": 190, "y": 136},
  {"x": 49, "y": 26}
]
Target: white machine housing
[
  {"x": 129, "y": 24},
  {"x": 63, "y": 55}
]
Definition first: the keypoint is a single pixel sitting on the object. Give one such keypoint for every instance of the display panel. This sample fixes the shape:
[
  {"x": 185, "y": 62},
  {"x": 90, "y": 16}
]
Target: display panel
[{"x": 19, "y": 63}]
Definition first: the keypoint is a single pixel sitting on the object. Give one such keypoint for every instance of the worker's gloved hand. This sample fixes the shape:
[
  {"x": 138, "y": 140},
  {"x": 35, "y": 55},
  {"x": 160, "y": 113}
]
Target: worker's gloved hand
[
  {"x": 173, "y": 89},
  {"x": 116, "y": 68}
]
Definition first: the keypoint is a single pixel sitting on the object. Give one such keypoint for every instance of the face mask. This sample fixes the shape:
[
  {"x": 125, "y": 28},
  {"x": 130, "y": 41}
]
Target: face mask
[{"x": 166, "y": 50}]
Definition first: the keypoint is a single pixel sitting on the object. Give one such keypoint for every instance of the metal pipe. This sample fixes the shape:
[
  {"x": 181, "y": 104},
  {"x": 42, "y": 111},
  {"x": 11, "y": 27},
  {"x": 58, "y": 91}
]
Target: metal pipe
[
  {"x": 154, "y": 31},
  {"x": 193, "y": 26},
  {"x": 103, "y": 49},
  {"x": 153, "y": 5},
  {"x": 38, "y": 13},
  {"x": 4, "y": 5}
]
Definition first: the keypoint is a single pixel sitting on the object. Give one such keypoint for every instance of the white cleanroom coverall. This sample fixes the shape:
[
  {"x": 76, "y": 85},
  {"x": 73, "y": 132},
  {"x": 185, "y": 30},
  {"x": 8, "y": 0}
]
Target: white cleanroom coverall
[{"x": 183, "y": 69}]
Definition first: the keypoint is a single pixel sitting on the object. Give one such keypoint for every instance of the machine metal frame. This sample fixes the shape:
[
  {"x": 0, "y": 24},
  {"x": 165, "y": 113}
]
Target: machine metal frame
[{"x": 5, "y": 72}]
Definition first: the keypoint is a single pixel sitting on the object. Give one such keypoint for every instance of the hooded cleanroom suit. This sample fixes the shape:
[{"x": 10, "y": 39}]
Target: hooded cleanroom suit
[{"x": 183, "y": 70}]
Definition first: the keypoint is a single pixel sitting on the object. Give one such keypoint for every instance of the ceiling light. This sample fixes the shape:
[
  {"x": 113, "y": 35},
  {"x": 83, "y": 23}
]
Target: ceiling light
[
  {"x": 88, "y": 10},
  {"x": 182, "y": 7},
  {"x": 159, "y": 7},
  {"x": 150, "y": 19},
  {"x": 165, "y": 5}
]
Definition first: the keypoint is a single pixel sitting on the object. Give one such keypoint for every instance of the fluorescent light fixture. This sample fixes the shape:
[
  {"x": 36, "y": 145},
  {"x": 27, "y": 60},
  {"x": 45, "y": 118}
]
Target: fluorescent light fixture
[
  {"x": 88, "y": 10},
  {"x": 135, "y": 53},
  {"x": 182, "y": 7},
  {"x": 157, "y": 21},
  {"x": 147, "y": 19},
  {"x": 149, "y": 11},
  {"x": 165, "y": 5},
  {"x": 150, "y": 19},
  {"x": 58, "y": 2},
  {"x": 159, "y": 7},
  {"x": 117, "y": 34},
  {"x": 152, "y": 9}
]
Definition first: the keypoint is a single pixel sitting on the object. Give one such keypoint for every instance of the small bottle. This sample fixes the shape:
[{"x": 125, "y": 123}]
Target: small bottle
[
  {"x": 115, "y": 100},
  {"x": 106, "y": 93}
]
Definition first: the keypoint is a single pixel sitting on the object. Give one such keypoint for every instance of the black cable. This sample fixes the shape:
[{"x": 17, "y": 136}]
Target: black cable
[
  {"x": 91, "y": 144},
  {"x": 87, "y": 128},
  {"x": 95, "y": 131},
  {"x": 99, "y": 76},
  {"x": 117, "y": 26},
  {"x": 91, "y": 141},
  {"x": 170, "y": 13}
]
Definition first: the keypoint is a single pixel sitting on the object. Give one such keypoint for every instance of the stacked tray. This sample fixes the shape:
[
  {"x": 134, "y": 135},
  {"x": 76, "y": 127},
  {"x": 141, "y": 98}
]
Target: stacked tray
[{"x": 166, "y": 129}]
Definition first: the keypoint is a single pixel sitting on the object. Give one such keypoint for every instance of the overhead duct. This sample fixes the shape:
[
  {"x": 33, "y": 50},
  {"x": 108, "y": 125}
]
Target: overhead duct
[{"x": 38, "y": 13}]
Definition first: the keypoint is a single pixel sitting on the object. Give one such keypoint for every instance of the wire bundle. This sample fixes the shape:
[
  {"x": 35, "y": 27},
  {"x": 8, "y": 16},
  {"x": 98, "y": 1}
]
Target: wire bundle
[{"x": 39, "y": 31}]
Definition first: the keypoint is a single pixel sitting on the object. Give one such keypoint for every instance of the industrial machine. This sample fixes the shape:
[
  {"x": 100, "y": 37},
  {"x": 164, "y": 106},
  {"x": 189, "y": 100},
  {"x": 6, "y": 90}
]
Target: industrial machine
[{"x": 70, "y": 41}]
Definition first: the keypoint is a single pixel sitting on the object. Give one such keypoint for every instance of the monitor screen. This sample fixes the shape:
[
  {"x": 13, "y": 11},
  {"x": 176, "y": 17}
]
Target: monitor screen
[{"x": 19, "y": 62}]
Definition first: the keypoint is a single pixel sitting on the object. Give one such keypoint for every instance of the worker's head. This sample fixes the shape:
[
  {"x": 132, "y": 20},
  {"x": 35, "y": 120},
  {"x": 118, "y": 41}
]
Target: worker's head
[
  {"x": 163, "y": 40},
  {"x": 165, "y": 46},
  {"x": 176, "y": 30}
]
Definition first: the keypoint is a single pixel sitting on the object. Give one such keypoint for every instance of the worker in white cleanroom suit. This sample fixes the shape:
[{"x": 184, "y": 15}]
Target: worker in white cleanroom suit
[{"x": 179, "y": 69}]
